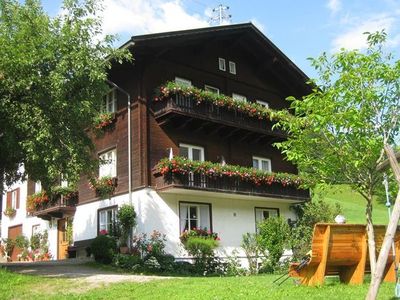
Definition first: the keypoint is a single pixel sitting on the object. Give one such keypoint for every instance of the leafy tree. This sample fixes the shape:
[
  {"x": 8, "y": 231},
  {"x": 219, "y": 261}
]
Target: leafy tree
[
  {"x": 341, "y": 131},
  {"x": 52, "y": 78}
]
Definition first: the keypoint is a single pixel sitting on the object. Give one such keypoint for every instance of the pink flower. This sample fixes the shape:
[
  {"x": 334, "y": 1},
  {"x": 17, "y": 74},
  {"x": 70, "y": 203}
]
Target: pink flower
[{"x": 103, "y": 232}]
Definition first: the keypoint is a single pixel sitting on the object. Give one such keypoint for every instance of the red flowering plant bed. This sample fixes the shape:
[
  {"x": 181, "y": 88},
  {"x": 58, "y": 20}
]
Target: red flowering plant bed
[
  {"x": 198, "y": 232},
  {"x": 181, "y": 166},
  {"x": 253, "y": 109},
  {"x": 103, "y": 186},
  {"x": 37, "y": 201},
  {"x": 102, "y": 122}
]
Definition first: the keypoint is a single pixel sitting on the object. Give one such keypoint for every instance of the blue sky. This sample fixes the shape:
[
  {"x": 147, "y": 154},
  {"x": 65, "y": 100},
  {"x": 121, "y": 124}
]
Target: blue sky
[{"x": 300, "y": 29}]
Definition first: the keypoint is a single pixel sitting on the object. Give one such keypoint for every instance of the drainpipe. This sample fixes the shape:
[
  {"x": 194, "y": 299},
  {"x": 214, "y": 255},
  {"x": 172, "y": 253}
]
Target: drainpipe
[{"x": 129, "y": 138}]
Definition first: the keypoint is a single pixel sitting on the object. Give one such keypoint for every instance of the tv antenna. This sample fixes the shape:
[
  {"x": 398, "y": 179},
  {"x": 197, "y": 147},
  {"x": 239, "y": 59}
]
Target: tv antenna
[{"x": 220, "y": 15}]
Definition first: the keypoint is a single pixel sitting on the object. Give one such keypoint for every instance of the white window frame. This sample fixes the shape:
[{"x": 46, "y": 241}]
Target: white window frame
[
  {"x": 232, "y": 67},
  {"x": 238, "y": 97},
  {"x": 183, "y": 81},
  {"x": 203, "y": 222},
  {"x": 263, "y": 103},
  {"x": 260, "y": 160},
  {"x": 104, "y": 223},
  {"x": 108, "y": 163},
  {"x": 190, "y": 150},
  {"x": 109, "y": 104},
  {"x": 221, "y": 64},
  {"x": 259, "y": 213},
  {"x": 211, "y": 89},
  {"x": 14, "y": 198}
]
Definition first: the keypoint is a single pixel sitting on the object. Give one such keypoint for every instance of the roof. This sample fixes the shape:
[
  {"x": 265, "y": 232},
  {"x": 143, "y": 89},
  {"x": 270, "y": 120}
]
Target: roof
[{"x": 220, "y": 31}]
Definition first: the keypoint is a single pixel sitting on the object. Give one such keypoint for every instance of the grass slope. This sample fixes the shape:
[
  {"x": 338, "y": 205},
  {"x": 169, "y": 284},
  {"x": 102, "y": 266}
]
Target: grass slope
[{"x": 352, "y": 204}]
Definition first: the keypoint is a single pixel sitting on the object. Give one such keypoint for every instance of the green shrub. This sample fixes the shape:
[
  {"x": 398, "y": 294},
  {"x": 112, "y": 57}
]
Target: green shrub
[
  {"x": 125, "y": 261},
  {"x": 251, "y": 247},
  {"x": 274, "y": 237},
  {"x": 308, "y": 215},
  {"x": 126, "y": 217},
  {"x": 202, "y": 249},
  {"x": 103, "y": 248},
  {"x": 21, "y": 242}
]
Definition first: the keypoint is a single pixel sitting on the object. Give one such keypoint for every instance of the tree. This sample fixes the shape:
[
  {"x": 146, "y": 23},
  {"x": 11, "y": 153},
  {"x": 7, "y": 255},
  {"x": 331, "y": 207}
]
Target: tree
[
  {"x": 52, "y": 79},
  {"x": 340, "y": 131}
]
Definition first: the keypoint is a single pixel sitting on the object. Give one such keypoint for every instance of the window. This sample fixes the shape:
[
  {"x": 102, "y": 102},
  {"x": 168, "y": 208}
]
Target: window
[
  {"x": 262, "y": 163},
  {"x": 110, "y": 102},
  {"x": 265, "y": 213},
  {"x": 263, "y": 103},
  {"x": 221, "y": 64},
  {"x": 14, "y": 199},
  {"x": 183, "y": 81},
  {"x": 191, "y": 152},
  {"x": 38, "y": 186},
  {"x": 108, "y": 163},
  {"x": 211, "y": 89},
  {"x": 194, "y": 215},
  {"x": 107, "y": 218},
  {"x": 238, "y": 97},
  {"x": 35, "y": 229},
  {"x": 232, "y": 67}
]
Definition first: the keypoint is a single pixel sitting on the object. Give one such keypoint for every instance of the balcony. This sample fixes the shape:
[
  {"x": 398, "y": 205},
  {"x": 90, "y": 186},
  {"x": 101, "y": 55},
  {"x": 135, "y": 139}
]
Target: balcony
[
  {"x": 184, "y": 109},
  {"x": 208, "y": 178},
  {"x": 59, "y": 206}
]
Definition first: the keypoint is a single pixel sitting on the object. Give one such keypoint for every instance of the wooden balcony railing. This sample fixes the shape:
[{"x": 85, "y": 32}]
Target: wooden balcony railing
[
  {"x": 229, "y": 185},
  {"x": 187, "y": 105},
  {"x": 58, "y": 207}
]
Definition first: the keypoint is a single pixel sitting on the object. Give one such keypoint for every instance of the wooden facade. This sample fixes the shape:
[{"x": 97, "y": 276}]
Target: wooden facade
[{"x": 263, "y": 72}]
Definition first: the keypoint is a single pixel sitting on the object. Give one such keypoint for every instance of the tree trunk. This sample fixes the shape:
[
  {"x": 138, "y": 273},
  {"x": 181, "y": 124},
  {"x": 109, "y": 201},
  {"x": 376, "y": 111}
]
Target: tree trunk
[
  {"x": 390, "y": 232},
  {"x": 371, "y": 236}
]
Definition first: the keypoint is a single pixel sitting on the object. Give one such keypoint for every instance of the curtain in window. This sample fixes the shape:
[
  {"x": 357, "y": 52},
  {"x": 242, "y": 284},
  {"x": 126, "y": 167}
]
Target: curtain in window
[
  {"x": 183, "y": 216},
  {"x": 205, "y": 217}
]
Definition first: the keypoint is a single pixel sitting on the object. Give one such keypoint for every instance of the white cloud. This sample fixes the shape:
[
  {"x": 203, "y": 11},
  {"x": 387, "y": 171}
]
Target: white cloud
[
  {"x": 355, "y": 39},
  {"x": 334, "y": 5},
  {"x": 148, "y": 16}
]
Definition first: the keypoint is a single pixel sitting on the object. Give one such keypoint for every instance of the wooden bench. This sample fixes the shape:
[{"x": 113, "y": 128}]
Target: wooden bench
[{"x": 342, "y": 249}]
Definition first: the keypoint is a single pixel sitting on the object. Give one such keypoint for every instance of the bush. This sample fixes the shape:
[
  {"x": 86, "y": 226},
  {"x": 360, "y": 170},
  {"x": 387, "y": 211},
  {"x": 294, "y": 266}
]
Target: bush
[
  {"x": 252, "y": 250},
  {"x": 202, "y": 249},
  {"x": 126, "y": 261},
  {"x": 308, "y": 215},
  {"x": 126, "y": 217},
  {"x": 274, "y": 237},
  {"x": 149, "y": 246},
  {"x": 103, "y": 248}
]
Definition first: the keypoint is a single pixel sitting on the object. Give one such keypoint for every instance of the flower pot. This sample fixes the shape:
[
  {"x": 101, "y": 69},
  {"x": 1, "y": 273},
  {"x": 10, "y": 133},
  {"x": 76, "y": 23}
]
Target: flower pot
[{"x": 124, "y": 250}]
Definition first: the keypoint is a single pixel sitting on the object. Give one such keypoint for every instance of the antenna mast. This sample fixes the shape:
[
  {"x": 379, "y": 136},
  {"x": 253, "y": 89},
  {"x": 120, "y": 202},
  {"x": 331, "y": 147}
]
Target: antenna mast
[{"x": 220, "y": 15}]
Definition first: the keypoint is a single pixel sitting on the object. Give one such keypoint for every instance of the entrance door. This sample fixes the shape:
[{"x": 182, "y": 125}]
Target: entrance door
[
  {"x": 62, "y": 248},
  {"x": 13, "y": 232}
]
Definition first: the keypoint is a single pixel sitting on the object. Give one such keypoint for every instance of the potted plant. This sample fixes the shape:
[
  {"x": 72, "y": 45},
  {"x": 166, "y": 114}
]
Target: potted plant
[
  {"x": 126, "y": 216},
  {"x": 103, "y": 186},
  {"x": 10, "y": 212}
]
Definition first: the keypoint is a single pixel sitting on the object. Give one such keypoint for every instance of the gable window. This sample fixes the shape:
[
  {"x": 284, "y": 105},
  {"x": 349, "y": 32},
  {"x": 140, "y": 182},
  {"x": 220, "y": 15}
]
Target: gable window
[
  {"x": 109, "y": 104},
  {"x": 238, "y": 97},
  {"x": 221, "y": 64},
  {"x": 263, "y": 103},
  {"x": 194, "y": 215},
  {"x": 265, "y": 213},
  {"x": 211, "y": 89},
  {"x": 107, "y": 219},
  {"x": 262, "y": 163},
  {"x": 191, "y": 152},
  {"x": 232, "y": 67},
  {"x": 108, "y": 163},
  {"x": 183, "y": 81}
]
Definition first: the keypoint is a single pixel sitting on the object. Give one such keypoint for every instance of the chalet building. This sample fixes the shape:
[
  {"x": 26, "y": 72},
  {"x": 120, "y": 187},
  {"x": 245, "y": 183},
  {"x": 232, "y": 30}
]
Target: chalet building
[{"x": 235, "y": 60}]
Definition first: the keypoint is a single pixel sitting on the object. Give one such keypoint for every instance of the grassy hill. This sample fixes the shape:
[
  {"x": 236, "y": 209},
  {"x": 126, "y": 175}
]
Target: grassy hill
[{"x": 352, "y": 204}]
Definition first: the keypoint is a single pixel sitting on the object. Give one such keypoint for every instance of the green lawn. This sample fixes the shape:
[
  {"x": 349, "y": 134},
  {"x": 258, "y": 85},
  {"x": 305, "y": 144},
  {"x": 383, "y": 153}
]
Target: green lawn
[
  {"x": 15, "y": 286},
  {"x": 353, "y": 205}
]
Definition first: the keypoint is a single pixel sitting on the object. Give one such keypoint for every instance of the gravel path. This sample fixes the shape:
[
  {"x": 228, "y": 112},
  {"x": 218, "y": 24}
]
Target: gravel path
[{"x": 76, "y": 270}]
